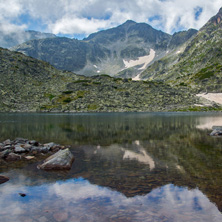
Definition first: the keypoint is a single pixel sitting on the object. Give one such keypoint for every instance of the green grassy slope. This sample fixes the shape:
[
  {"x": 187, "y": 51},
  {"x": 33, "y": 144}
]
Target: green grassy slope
[{"x": 28, "y": 84}]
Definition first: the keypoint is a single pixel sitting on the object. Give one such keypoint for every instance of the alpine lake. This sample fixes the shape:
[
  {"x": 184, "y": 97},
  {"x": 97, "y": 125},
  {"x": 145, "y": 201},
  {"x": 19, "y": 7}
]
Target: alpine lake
[{"x": 128, "y": 167}]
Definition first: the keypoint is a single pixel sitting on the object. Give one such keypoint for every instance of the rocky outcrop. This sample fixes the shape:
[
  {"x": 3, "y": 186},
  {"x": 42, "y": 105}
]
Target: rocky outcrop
[
  {"x": 62, "y": 160},
  {"x": 217, "y": 131}
]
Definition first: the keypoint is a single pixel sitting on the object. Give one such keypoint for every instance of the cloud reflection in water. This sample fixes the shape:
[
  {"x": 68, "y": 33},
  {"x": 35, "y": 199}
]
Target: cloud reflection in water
[{"x": 79, "y": 199}]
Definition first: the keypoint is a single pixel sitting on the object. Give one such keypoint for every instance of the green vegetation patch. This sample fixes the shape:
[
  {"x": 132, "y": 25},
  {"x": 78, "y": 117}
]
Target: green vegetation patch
[
  {"x": 93, "y": 107},
  {"x": 97, "y": 83},
  {"x": 50, "y": 96},
  {"x": 205, "y": 73},
  {"x": 105, "y": 75},
  {"x": 82, "y": 81},
  {"x": 117, "y": 79},
  {"x": 183, "y": 84},
  {"x": 67, "y": 100},
  {"x": 200, "y": 109},
  {"x": 81, "y": 93}
]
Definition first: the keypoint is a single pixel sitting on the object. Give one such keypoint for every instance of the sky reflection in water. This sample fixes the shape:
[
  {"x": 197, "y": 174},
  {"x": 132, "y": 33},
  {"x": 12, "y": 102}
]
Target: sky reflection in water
[
  {"x": 128, "y": 167},
  {"x": 79, "y": 200}
]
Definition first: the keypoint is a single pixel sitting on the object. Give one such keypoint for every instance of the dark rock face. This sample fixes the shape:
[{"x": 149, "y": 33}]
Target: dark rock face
[
  {"x": 62, "y": 160},
  {"x": 3, "y": 179},
  {"x": 109, "y": 47}
]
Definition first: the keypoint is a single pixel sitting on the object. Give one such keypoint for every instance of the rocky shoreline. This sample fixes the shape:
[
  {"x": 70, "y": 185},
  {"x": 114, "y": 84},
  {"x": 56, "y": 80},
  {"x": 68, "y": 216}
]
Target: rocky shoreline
[
  {"x": 23, "y": 149},
  {"x": 20, "y": 148}
]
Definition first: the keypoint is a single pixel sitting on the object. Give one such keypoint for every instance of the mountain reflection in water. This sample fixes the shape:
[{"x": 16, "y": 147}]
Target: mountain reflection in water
[
  {"x": 79, "y": 200},
  {"x": 128, "y": 167}
]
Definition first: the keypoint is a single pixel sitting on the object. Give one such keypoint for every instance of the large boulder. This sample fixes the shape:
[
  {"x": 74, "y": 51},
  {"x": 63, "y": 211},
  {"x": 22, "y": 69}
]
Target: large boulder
[
  {"x": 62, "y": 160},
  {"x": 217, "y": 131}
]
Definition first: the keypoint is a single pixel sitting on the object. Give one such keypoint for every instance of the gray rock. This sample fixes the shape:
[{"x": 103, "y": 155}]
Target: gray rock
[
  {"x": 33, "y": 142},
  {"x": 36, "y": 149},
  {"x": 4, "y": 153},
  {"x": 50, "y": 145},
  {"x": 6, "y": 147},
  {"x": 44, "y": 149},
  {"x": 13, "y": 157},
  {"x": 20, "y": 140},
  {"x": 19, "y": 149},
  {"x": 62, "y": 160},
  {"x": 3, "y": 179},
  {"x": 7, "y": 142},
  {"x": 27, "y": 146},
  {"x": 216, "y": 132}
]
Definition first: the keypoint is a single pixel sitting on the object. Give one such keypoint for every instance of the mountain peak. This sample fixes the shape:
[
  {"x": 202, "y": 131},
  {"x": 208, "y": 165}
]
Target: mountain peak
[{"x": 129, "y": 22}]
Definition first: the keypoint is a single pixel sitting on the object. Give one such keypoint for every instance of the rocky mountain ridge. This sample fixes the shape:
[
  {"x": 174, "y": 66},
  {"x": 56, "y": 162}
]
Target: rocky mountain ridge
[
  {"x": 127, "y": 49},
  {"x": 11, "y": 39},
  {"x": 197, "y": 64}
]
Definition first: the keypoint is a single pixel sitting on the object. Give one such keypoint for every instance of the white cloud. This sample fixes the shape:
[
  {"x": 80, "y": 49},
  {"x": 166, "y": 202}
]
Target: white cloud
[
  {"x": 77, "y": 25},
  {"x": 85, "y": 17}
]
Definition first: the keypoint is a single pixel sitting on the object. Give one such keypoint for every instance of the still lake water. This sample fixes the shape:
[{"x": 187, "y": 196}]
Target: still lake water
[{"x": 128, "y": 167}]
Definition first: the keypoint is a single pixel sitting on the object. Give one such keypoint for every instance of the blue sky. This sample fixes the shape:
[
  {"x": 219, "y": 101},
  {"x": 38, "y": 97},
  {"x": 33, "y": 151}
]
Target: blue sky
[{"x": 79, "y": 18}]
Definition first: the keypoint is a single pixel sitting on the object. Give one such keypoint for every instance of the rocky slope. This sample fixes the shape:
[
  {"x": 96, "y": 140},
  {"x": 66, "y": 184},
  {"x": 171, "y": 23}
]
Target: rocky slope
[
  {"x": 197, "y": 64},
  {"x": 128, "y": 49},
  {"x": 28, "y": 84},
  {"x": 11, "y": 39}
]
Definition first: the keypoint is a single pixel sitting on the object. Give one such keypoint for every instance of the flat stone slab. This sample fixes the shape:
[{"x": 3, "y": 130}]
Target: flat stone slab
[{"x": 61, "y": 160}]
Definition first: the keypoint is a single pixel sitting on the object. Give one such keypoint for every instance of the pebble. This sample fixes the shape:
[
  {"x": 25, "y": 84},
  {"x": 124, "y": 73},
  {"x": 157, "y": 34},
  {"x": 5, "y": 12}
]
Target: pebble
[{"x": 29, "y": 157}]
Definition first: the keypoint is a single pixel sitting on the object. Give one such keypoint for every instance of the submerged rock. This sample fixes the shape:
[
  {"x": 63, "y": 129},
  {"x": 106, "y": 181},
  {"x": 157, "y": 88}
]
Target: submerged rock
[
  {"x": 62, "y": 160},
  {"x": 3, "y": 179},
  {"x": 217, "y": 131}
]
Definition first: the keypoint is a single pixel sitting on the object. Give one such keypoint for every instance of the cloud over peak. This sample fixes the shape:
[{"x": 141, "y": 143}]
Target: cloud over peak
[{"x": 73, "y": 17}]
